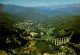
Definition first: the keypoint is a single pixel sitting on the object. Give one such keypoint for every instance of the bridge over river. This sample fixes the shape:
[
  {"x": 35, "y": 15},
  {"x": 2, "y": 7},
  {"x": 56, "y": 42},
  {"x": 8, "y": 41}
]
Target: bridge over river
[{"x": 56, "y": 41}]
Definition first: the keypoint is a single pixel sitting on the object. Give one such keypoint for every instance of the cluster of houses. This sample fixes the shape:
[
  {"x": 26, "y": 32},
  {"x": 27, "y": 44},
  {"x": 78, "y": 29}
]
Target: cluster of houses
[{"x": 30, "y": 49}]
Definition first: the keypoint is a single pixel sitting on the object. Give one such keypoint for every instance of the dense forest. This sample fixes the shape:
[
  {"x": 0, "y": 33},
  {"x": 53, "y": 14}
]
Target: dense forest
[{"x": 8, "y": 34}]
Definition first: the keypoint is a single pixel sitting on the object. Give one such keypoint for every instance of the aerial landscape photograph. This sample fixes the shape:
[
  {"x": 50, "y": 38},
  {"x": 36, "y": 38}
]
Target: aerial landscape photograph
[{"x": 39, "y": 27}]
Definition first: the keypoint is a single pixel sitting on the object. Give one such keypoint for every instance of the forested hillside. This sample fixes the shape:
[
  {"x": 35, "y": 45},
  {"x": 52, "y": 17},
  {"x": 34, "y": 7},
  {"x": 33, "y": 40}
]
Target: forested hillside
[
  {"x": 9, "y": 19},
  {"x": 33, "y": 14},
  {"x": 74, "y": 26},
  {"x": 58, "y": 21},
  {"x": 8, "y": 33}
]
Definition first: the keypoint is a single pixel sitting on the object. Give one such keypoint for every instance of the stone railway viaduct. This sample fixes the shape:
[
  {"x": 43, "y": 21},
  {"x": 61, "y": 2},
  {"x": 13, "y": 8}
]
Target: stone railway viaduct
[{"x": 56, "y": 41}]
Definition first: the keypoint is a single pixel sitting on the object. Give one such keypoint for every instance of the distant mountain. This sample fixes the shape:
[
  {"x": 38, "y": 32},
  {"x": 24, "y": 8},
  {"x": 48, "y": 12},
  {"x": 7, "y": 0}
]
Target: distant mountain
[
  {"x": 56, "y": 13},
  {"x": 33, "y": 14},
  {"x": 12, "y": 8},
  {"x": 51, "y": 10},
  {"x": 43, "y": 12},
  {"x": 24, "y": 12},
  {"x": 73, "y": 9}
]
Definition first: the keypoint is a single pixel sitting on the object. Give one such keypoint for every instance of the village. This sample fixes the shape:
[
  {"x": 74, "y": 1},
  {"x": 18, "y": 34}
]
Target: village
[{"x": 37, "y": 33}]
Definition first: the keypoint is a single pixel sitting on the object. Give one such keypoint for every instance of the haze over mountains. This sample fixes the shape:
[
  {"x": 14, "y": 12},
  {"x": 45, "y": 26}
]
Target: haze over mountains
[
  {"x": 40, "y": 13},
  {"x": 70, "y": 8}
]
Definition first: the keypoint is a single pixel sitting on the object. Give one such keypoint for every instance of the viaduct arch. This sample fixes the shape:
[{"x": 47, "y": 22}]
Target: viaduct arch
[{"x": 56, "y": 41}]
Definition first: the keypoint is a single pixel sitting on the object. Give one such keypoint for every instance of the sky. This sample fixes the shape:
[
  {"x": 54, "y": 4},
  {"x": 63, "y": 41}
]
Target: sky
[{"x": 32, "y": 3}]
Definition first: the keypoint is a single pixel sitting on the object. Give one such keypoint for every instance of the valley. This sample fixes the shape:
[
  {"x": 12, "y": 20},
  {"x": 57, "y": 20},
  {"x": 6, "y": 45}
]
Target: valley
[{"x": 47, "y": 30}]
